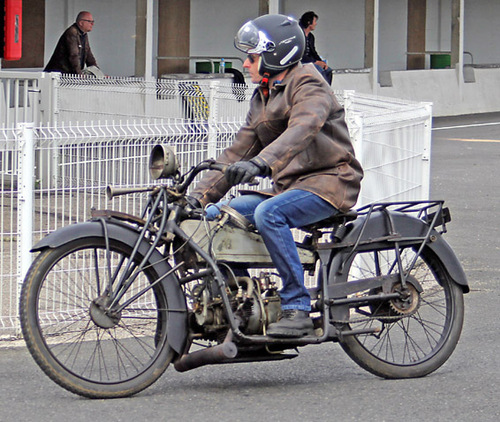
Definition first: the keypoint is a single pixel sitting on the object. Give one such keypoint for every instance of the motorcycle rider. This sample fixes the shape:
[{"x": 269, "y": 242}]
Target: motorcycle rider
[{"x": 294, "y": 133}]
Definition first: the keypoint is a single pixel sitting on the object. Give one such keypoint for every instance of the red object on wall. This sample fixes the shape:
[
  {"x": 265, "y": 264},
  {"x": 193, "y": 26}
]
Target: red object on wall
[{"x": 13, "y": 33}]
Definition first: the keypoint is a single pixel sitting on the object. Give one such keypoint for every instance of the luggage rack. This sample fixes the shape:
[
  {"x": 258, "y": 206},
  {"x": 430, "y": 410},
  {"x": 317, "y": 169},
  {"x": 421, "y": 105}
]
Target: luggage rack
[{"x": 431, "y": 213}]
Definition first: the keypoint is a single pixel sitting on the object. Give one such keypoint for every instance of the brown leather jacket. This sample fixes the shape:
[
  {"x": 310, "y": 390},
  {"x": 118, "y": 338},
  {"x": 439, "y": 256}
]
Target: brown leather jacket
[
  {"x": 302, "y": 136},
  {"x": 72, "y": 48}
]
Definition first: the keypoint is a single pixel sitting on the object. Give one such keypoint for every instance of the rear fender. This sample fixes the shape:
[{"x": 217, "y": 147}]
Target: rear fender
[
  {"x": 407, "y": 227},
  {"x": 177, "y": 318}
]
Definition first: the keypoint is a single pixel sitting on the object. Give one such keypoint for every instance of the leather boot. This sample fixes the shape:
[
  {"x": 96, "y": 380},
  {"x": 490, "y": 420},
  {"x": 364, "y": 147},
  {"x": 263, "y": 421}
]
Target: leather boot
[{"x": 293, "y": 324}]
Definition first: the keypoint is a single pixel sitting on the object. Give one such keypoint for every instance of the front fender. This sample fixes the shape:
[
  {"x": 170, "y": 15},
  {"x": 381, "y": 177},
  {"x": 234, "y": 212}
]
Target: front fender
[
  {"x": 407, "y": 227},
  {"x": 177, "y": 315}
]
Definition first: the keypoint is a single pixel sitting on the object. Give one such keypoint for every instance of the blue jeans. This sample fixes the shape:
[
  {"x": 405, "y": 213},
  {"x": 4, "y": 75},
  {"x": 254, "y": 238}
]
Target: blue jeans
[{"x": 274, "y": 217}]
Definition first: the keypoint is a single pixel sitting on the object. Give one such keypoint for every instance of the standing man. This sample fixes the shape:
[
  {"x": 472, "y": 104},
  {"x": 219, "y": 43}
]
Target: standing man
[
  {"x": 73, "y": 51},
  {"x": 295, "y": 133},
  {"x": 308, "y": 23}
]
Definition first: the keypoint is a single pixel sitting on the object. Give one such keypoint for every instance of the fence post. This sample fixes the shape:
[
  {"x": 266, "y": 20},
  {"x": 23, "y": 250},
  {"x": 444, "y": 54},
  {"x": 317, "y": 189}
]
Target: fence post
[
  {"x": 25, "y": 176},
  {"x": 355, "y": 124},
  {"x": 354, "y": 121},
  {"x": 49, "y": 86},
  {"x": 212, "y": 119},
  {"x": 34, "y": 100},
  {"x": 426, "y": 153}
]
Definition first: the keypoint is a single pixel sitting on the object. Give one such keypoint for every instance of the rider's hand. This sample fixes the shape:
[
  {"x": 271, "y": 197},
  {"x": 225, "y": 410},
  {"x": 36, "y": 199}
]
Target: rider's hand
[{"x": 245, "y": 171}]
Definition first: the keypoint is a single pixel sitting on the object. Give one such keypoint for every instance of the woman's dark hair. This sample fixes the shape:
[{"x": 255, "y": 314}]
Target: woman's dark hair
[{"x": 307, "y": 19}]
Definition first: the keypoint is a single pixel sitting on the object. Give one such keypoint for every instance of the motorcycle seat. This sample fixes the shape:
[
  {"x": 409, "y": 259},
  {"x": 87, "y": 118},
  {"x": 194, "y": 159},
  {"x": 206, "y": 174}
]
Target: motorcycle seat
[{"x": 334, "y": 220}]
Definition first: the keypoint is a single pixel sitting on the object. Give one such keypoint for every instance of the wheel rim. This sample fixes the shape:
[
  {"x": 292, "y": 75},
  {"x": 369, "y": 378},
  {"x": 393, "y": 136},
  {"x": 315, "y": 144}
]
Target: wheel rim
[
  {"x": 98, "y": 352},
  {"x": 404, "y": 339}
]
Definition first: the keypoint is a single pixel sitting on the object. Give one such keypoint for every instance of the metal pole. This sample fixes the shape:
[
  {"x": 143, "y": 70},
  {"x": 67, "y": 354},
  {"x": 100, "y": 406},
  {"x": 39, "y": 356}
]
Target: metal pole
[
  {"x": 25, "y": 176},
  {"x": 213, "y": 119},
  {"x": 460, "y": 65},
  {"x": 148, "y": 66},
  {"x": 274, "y": 7},
  {"x": 375, "y": 47},
  {"x": 426, "y": 153}
]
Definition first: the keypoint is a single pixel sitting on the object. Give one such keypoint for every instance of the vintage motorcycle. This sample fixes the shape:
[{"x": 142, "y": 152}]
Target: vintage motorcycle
[{"x": 108, "y": 304}]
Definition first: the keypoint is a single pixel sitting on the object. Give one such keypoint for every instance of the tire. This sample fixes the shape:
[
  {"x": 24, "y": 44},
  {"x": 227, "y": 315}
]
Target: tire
[
  {"x": 67, "y": 343},
  {"x": 415, "y": 338}
]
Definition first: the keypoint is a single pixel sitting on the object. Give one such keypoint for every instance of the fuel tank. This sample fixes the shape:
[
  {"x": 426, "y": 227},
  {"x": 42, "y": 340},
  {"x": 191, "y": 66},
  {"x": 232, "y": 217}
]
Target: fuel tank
[{"x": 234, "y": 244}]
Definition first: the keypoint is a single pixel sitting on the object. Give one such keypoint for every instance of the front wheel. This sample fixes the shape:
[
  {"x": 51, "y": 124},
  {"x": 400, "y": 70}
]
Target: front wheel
[
  {"x": 410, "y": 337},
  {"x": 80, "y": 347}
]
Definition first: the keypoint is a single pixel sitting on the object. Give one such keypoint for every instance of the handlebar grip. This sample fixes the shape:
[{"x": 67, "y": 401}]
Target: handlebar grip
[{"x": 218, "y": 166}]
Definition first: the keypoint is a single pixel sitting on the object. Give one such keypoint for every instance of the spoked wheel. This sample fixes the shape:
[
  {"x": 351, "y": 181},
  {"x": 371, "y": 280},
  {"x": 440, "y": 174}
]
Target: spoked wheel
[
  {"x": 414, "y": 334},
  {"x": 73, "y": 339}
]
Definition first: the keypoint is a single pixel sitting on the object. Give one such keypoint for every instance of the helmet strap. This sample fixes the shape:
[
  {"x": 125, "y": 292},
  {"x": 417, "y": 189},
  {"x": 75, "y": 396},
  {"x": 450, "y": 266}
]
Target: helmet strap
[{"x": 264, "y": 84}]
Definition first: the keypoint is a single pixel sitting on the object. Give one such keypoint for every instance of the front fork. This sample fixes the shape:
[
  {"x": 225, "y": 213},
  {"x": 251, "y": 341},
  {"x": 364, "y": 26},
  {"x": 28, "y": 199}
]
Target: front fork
[{"x": 118, "y": 283}]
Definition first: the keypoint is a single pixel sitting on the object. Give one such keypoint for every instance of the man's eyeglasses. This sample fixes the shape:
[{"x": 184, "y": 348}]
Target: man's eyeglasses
[
  {"x": 252, "y": 58},
  {"x": 89, "y": 21}
]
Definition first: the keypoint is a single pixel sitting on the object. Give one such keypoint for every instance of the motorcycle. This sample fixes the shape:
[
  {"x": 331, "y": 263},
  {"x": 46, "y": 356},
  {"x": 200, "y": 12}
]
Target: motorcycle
[{"x": 110, "y": 303}]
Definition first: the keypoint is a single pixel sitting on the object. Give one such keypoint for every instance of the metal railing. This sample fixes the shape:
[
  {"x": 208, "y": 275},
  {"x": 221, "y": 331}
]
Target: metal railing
[{"x": 18, "y": 97}]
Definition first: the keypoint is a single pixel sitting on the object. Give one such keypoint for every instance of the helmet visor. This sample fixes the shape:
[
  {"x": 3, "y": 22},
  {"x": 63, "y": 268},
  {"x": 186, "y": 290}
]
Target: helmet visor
[{"x": 251, "y": 40}]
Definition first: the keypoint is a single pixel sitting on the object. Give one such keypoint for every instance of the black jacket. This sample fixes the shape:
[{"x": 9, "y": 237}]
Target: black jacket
[
  {"x": 310, "y": 53},
  {"x": 72, "y": 52}
]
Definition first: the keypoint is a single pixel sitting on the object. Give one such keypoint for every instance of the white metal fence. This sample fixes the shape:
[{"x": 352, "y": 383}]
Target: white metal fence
[
  {"x": 18, "y": 97},
  {"x": 53, "y": 98},
  {"x": 114, "y": 99},
  {"x": 52, "y": 175},
  {"x": 392, "y": 139}
]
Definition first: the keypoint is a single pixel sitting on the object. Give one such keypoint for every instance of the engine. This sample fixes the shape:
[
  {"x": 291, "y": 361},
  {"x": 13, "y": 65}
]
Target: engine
[{"x": 254, "y": 300}]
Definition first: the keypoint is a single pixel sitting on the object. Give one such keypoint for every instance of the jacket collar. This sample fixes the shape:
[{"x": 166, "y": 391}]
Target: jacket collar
[
  {"x": 283, "y": 82},
  {"x": 79, "y": 30}
]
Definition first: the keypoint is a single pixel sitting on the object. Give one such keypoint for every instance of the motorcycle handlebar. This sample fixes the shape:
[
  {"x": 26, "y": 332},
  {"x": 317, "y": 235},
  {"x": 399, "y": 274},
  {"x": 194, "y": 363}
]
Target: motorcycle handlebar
[
  {"x": 207, "y": 165},
  {"x": 218, "y": 166}
]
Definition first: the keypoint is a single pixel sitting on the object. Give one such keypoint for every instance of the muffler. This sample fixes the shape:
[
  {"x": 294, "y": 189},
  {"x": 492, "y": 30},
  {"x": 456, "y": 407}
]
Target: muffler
[{"x": 208, "y": 356}]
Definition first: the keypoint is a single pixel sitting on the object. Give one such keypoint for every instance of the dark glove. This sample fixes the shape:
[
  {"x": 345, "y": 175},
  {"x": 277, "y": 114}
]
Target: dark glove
[{"x": 245, "y": 171}]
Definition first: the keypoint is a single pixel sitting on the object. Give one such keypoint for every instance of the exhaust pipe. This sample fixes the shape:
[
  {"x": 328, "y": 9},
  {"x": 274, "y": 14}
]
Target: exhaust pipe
[{"x": 208, "y": 356}]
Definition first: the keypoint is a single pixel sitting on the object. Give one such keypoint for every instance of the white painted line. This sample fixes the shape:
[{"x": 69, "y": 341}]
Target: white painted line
[
  {"x": 471, "y": 140},
  {"x": 465, "y": 126}
]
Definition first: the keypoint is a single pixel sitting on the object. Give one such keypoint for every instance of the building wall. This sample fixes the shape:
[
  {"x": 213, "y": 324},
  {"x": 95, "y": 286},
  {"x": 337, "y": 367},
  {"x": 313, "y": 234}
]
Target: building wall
[
  {"x": 482, "y": 30},
  {"x": 112, "y": 38},
  {"x": 340, "y": 32},
  {"x": 32, "y": 39},
  {"x": 214, "y": 24},
  {"x": 438, "y": 33}
]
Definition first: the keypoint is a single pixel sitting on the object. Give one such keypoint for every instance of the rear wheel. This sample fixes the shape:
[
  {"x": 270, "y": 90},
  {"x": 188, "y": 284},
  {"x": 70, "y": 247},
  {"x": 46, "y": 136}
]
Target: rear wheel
[
  {"x": 414, "y": 335},
  {"x": 78, "y": 345}
]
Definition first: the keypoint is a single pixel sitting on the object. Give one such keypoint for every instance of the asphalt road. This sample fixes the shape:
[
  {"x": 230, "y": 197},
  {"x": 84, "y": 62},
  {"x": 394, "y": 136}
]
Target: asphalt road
[{"x": 322, "y": 383}]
